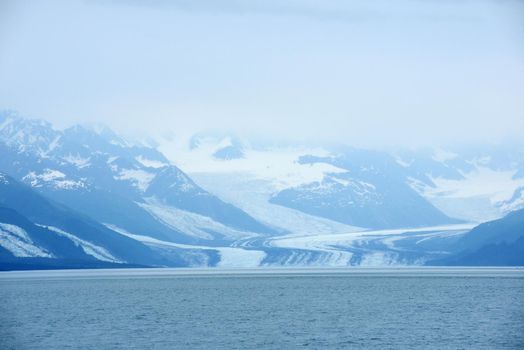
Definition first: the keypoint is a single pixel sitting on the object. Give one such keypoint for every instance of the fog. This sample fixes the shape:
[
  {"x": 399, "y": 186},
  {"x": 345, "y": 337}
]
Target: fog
[{"x": 366, "y": 73}]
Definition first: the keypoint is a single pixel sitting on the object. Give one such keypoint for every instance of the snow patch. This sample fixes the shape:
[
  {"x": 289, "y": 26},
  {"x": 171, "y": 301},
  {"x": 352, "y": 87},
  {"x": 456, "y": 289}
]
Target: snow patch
[
  {"x": 375, "y": 259},
  {"x": 3, "y": 179},
  {"x": 139, "y": 178},
  {"x": 483, "y": 194},
  {"x": 497, "y": 185},
  {"x": 52, "y": 145},
  {"x": 89, "y": 248},
  {"x": 516, "y": 202},
  {"x": 402, "y": 162},
  {"x": 17, "y": 241},
  {"x": 150, "y": 163},
  {"x": 229, "y": 256},
  {"x": 252, "y": 194},
  {"x": 335, "y": 249},
  {"x": 192, "y": 224},
  {"x": 280, "y": 166},
  {"x": 78, "y": 161},
  {"x": 53, "y": 178},
  {"x": 6, "y": 122}
]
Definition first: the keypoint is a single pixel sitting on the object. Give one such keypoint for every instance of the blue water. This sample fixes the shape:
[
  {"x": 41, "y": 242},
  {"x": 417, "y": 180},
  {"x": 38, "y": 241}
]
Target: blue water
[{"x": 282, "y": 309}]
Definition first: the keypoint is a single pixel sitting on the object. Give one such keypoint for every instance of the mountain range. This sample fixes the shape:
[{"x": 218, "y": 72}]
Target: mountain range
[{"x": 88, "y": 197}]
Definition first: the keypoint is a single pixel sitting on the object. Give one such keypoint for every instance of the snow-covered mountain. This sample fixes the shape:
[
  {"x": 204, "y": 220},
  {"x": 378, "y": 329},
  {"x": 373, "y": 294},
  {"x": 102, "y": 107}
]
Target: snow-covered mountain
[
  {"x": 319, "y": 193},
  {"x": 374, "y": 189},
  {"x": 498, "y": 242},
  {"x": 371, "y": 192},
  {"x": 132, "y": 186},
  {"x": 241, "y": 202},
  {"x": 37, "y": 232},
  {"x": 475, "y": 184}
]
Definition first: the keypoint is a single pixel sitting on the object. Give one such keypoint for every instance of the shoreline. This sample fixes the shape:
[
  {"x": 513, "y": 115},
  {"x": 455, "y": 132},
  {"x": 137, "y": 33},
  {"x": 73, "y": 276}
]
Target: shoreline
[{"x": 404, "y": 271}]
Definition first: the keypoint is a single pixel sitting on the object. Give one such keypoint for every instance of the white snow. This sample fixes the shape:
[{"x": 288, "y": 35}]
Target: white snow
[
  {"x": 54, "y": 178},
  {"x": 229, "y": 256},
  {"x": 278, "y": 165},
  {"x": 237, "y": 257},
  {"x": 150, "y": 163},
  {"x": 402, "y": 162},
  {"x": 376, "y": 259},
  {"x": 139, "y": 178},
  {"x": 99, "y": 253},
  {"x": 514, "y": 203},
  {"x": 480, "y": 196},
  {"x": 332, "y": 184},
  {"x": 183, "y": 182},
  {"x": 251, "y": 194},
  {"x": 191, "y": 224},
  {"x": 6, "y": 122},
  {"x": 51, "y": 146},
  {"x": 17, "y": 241},
  {"x": 332, "y": 246},
  {"x": 50, "y": 175},
  {"x": 77, "y": 160},
  {"x": 497, "y": 185}
]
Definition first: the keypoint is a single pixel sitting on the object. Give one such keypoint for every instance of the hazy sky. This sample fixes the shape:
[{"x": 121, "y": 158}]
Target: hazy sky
[{"x": 362, "y": 72}]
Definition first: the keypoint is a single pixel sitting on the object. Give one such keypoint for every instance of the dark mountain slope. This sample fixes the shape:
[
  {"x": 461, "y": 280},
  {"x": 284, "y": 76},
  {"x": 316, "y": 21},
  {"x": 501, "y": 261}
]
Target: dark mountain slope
[{"x": 498, "y": 242}]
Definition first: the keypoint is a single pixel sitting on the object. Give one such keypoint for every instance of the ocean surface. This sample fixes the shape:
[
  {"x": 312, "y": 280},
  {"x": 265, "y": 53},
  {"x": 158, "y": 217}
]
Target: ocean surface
[{"x": 448, "y": 308}]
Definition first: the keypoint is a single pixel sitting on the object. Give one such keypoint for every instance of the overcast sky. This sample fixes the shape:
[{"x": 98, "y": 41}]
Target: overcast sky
[{"x": 361, "y": 72}]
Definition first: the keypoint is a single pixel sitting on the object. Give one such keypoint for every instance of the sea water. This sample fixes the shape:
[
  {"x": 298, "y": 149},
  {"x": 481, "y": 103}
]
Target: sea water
[{"x": 263, "y": 309}]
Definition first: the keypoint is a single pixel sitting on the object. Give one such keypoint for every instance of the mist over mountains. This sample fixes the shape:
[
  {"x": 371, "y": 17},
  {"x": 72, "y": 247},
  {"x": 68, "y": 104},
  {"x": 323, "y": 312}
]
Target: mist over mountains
[{"x": 87, "y": 197}]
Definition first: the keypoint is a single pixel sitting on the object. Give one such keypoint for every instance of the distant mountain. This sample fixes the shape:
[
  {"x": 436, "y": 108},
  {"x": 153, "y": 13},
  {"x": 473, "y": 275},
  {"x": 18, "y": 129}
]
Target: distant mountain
[
  {"x": 473, "y": 183},
  {"x": 94, "y": 198},
  {"x": 176, "y": 189},
  {"x": 514, "y": 203},
  {"x": 232, "y": 149},
  {"x": 411, "y": 187},
  {"x": 372, "y": 192},
  {"x": 229, "y": 152},
  {"x": 498, "y": 242},
  {"x": 129, "y": 185},
  {"x": 35, "y": 231}
]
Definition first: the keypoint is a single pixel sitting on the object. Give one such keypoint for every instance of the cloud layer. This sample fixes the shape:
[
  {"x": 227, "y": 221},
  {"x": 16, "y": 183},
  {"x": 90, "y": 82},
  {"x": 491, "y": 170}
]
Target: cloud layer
[{"x": 367, "y": 73}]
